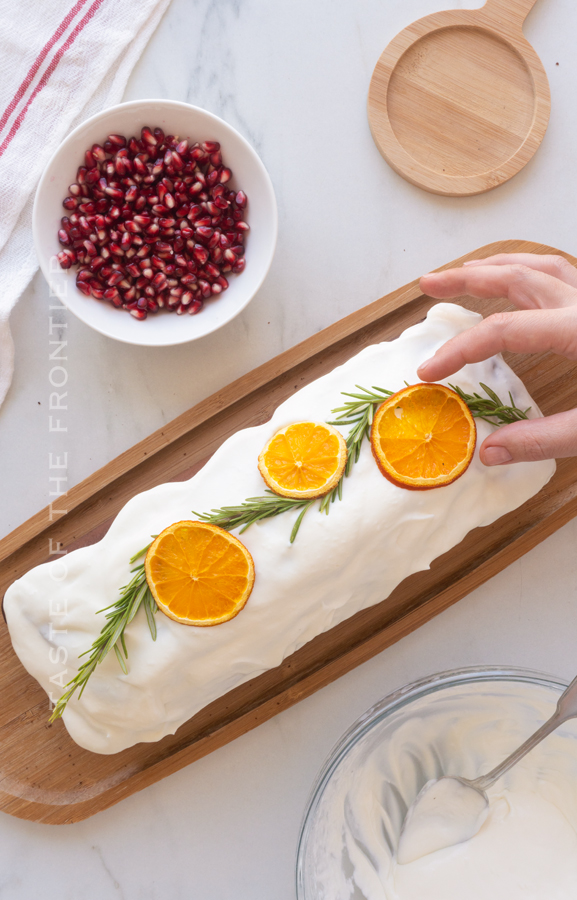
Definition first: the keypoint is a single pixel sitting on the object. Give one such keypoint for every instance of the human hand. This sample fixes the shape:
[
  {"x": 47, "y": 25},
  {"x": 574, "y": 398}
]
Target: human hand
[{"x": 545, "y": 290}]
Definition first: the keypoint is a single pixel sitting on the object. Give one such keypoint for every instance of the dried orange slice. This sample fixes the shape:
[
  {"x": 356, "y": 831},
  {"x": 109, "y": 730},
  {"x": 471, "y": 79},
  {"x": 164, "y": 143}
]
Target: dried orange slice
[
  {"x": 199, "y": 574},
  {"x": 423, "y": 436},
  {"x": 305, "y": 459}
]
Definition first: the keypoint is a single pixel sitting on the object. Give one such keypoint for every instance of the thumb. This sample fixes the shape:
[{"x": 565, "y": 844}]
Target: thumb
[{"x": 554, "y": 436}]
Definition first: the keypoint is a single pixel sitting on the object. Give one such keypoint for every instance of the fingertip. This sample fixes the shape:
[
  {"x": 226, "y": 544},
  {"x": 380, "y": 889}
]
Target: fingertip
[
  {"x": 495, "y": 456},
  {"x": 424, "y": 369}
]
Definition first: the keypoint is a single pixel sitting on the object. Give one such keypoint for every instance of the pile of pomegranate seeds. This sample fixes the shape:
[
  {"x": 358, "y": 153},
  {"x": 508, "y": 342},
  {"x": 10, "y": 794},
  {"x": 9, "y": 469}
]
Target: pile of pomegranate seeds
[{"x": 152, "y": 225}]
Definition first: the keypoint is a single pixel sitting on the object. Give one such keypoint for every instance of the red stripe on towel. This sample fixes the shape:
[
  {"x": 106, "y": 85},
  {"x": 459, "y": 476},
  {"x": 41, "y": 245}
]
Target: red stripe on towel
[
  {"x": 49, "y": 71},
  {"x": 38, "y": 62}
]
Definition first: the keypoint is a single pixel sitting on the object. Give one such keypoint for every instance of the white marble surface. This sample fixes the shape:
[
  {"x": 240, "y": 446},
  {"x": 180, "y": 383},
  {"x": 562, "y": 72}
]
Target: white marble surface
[{"x": 292, "y": 77}]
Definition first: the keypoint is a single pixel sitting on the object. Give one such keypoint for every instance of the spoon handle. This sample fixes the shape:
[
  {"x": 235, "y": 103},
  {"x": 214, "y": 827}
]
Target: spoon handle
[
  {"x": 566, "y": 709},
  {"x": 506, "y": 11}
]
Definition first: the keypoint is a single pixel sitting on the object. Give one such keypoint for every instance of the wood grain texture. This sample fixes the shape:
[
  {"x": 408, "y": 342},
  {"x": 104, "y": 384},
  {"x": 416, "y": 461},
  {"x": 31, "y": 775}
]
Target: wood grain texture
[
  {"x": 459, "y": 101},
  {"x": 44, "y": 775}
]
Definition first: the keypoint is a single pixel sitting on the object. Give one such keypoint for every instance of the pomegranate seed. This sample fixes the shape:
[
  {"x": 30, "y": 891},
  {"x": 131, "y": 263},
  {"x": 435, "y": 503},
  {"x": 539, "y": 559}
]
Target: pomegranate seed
[
  {"x": 66, "y": 258},
  {"x": 111, "y": 230},
  {"x": 98, "y": 153},
  {"x": 212, "y": 270},
  {"x": 203, "y": 232},
  {"x": 200, "y": 253},
  {"x": 138, "y": 313},
  {"x": 159, "y": 281},
  {"x": 148, "y": 136},
  {"x": 139, "y": 164},
  {"x": 195, "y": 306},
  {"x": 177, "y": 161},
  {"x": 84, "y": 288}
]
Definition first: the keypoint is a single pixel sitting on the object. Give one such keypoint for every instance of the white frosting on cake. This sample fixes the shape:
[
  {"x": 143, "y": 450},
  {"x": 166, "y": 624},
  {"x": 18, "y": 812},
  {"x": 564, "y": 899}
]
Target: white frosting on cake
[{"x": 339, "y": 564}]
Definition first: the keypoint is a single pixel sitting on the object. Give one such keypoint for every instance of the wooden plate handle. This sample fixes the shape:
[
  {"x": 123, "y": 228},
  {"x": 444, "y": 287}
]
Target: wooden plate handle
[{"x": 508, "y": 11}]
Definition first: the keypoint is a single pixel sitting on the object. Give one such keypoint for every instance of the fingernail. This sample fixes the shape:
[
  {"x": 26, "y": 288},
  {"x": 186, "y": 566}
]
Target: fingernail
[
  {"x": 421, "y": 371},
  {"x": 474, "y": 262},
  {"x": 496, "y": 456}
]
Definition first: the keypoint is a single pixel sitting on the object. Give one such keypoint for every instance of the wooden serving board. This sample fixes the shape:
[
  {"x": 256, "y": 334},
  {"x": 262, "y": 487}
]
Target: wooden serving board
[
  {"x": 459, "y": 101},
  {"x": 44, "y": 775}
]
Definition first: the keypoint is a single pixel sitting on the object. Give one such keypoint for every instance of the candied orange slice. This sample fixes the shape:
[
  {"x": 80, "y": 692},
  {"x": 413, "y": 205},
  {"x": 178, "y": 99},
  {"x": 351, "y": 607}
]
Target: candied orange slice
[
  {"x": 423, "y": 436},
  {"x": 199, "y": 574},
  {"x": 305, "y": 459}
]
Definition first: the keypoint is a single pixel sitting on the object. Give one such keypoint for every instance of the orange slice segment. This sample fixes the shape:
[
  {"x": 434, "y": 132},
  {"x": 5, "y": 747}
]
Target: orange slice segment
[
  {"x": 423, "y": 436},
  {"x": 305, "y": 459},
  {"x": 199, "y": 574}
]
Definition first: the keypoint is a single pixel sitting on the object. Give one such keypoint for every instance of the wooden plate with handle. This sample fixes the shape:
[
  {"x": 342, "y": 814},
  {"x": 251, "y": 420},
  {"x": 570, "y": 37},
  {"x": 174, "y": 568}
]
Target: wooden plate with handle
[
  {"x": 459, "y": 101},
  {"x": 44, "y": 775}
]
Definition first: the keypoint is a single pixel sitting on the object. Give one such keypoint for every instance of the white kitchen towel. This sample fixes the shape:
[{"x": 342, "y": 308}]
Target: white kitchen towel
[{"x": 60, "y": 62}]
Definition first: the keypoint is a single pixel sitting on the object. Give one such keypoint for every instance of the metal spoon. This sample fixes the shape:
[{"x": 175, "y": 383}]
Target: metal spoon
[{"x": 451, "y": 809}]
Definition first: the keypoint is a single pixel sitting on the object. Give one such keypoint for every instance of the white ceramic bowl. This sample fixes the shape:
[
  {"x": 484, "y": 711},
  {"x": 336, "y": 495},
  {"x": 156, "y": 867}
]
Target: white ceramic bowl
[{"x": 162, "y": 329}]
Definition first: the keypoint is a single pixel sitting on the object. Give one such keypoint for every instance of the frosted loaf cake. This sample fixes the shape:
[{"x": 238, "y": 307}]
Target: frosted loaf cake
[{"x": 335, "y": 568}]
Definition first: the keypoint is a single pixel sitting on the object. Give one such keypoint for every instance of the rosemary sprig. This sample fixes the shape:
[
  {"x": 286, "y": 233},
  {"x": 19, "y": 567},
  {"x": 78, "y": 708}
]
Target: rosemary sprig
[
  {"x": 253, "y": 510},
  {"x": 119, "y": 614},
  {"x": 492, "y": 407}
]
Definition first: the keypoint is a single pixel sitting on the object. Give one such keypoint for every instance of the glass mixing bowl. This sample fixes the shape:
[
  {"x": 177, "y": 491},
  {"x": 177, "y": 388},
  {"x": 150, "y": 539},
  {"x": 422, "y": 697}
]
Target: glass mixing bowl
[{"x": 461, "y": 722}]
